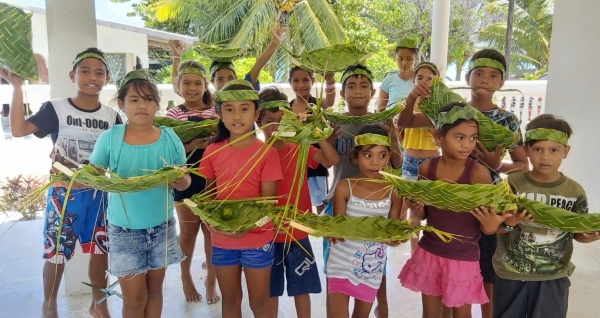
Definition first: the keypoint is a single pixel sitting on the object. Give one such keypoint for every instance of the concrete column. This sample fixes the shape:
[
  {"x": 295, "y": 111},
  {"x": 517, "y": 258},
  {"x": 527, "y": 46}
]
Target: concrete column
[
  {"x": 440, "y": 27},
  {"x": 574, "y": 88},
  {"x": 71, "y": 29}
]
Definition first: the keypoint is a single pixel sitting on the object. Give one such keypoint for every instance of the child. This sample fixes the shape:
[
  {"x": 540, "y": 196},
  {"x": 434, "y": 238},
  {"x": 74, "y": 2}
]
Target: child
[
  {"x": 357, "y": 91},
  {"x": 294, "y": 258},
  {"x": 355, "y": 268},
  {"x": 143, "y": 238},
  {"x": 448, "y": 273},
  {"x": 541, "y": 290},
  {"x": 197, "y": 106},
  {"x": 80, "y": 119},
  {"x": 233, "y": 169},
  {"x": 396, "y": 87},
  {"x": 302, "y": 82}
]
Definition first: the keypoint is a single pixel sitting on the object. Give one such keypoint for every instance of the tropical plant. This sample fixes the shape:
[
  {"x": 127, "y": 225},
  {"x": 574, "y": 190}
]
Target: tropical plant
[{"x": 17, "y": 190}]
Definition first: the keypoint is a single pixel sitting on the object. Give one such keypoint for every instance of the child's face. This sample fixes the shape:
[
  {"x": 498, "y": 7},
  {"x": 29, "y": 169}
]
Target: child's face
[
  {"x": 423, "y": 75},
  {"x": 546, "y": 156},
  {"x": 483, "y": 79},
  {"x": 139, "y": 107},
  {"x": 372, "y": 159},
  {"x": 460, "y": 141},
  {"x": 358, "y": 91},
  {"x": 222, "y": 77},
  {"x": 267, "y": 118},
  {"x": 90, "y": 76},
  {"x": 192, "y": 87},
  {"x": 405, "y": 59},
  {"x": 302, "y": 83},
  {"x": 239, "y": 116}
]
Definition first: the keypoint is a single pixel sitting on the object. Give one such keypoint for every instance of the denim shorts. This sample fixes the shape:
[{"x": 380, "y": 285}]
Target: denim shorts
[
  {"x": 296, "y": 267},
  {"x": 410, "y": 166},
  {"x": 255, "y": 258},
  {"x": 134, "y": 252},
  {"x": 317, "y": 187}
]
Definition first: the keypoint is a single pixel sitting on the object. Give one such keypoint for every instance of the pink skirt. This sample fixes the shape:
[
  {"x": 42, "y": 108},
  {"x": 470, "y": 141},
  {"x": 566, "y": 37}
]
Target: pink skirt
[
  {"x": 458, "y": 282},
  {"x": 361, "y": 292}
]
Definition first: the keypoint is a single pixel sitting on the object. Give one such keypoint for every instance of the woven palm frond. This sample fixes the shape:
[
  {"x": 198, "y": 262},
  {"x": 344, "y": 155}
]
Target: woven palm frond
[
  {"x": 315, "y": 129},
  {"x": 374, "y": 118},
  {"x": 232, "y": 215},
  {"x": 440, "y": 96},
  {"x": 16, "y": 53},
  {"x": 219, "y": 53},
  {"x": 333, "y": 58},
  {"x": 492, "y": 134},
  {"x": 188, "y": 130},
  {"x": 560, "y": 219},
  {"x": 454, "y": 197}
]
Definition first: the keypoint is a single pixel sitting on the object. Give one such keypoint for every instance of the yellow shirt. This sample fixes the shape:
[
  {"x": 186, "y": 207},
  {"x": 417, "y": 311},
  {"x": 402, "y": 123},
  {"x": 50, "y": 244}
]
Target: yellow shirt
[{"x": 418, "y": 138}]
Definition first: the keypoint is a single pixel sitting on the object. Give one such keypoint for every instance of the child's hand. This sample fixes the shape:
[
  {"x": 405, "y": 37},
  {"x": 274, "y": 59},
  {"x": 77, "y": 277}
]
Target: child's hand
[
  {"x": 303, "y": 116},
  {"x": 176, "y": 47},
  {"x": 491, "y": 158},
  {"x": 592, "y": 236},
  {"x": 182, "y": 183},
  {"x": 329, "y": 78},
  {"x": 518, "y": 218},
  {"x": 334, "y": 240},
  {"x": 277, "y": 33},
  {"x": 417, "y": 207},
  {"x": 199, "y": 143},
  {"x": 233, "y": 235},
  {"x": 337, "y": 130},
  {"x": 394, "y": 243},
  {"x": 11, "y": 78},
  {"x": 489, "y": 219},
  {"x": 422, "y": 88}
]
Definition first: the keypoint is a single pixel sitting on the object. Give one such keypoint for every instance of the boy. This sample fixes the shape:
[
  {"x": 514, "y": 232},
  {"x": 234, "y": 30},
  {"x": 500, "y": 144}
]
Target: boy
[
  {"x": 74, "y": 124},
  {"x": 533, "y": 262},
  {"x": 294, "y": 258}
]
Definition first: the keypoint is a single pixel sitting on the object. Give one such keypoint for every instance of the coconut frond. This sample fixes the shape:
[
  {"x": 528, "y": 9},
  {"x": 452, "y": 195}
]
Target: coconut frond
[
  {"x": 374, "y": 118},
  {"x": 221, "y": 53},
  {"x": 188, "y": 130},
  {"x": 333, "y": 58}
]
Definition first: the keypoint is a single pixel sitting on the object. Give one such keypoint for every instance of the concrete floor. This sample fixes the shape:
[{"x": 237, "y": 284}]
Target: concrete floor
[{"x": 21, "y": 292}]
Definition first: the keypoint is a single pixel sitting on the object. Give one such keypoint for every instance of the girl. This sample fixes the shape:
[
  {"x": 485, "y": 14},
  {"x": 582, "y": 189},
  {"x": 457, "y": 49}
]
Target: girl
[
  {"x": 197, "y": 106},
  {"x": 448, "y": 273},
  {"x": 396, "y": 87},
  {"x": 347, "y": 275},
  {"x": 226, "y": 166},
  {"x": 143, "y": 238}
]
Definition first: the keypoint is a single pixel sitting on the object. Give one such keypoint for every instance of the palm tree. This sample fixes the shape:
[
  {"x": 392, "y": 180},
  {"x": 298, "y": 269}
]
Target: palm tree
[{"x": 532, "y": 29}]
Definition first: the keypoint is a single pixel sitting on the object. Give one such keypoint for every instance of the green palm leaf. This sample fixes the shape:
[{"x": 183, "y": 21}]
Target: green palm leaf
[{"x": 16, "y": 53}]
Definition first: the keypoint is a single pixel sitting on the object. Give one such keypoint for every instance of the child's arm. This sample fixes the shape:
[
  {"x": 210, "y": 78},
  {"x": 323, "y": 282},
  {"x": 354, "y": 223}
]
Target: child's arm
[
  {"x": 395, "y": 212},
  {"x": 515, "y": 220},
  {"x": 493, "y": 159},
  {"x": 418, "y": 208},
  {"x": 586, "y": 237},
  {"x": 489, "y": 220},
  {"x": 268, "y": 188},
  {"x": 263, "y": 59},
  {"x": 19, "y": 127},
  {"x": 341, "y": 195},
  {"x": 382, "y": 100},
  {"x": 329, "y": 92},
  {"x": 327, "y": 155},
  {"x": 177, "y": 49},
  {"x": 407, "y": 118},
  {"x": 396, "y": 157}
]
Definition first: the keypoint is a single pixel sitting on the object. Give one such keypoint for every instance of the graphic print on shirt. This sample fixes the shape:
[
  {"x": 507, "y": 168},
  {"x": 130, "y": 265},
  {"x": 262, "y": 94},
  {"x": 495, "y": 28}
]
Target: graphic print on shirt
[
  {"x": 539, "y": 248},
  {"x": 369, "y": 261}
]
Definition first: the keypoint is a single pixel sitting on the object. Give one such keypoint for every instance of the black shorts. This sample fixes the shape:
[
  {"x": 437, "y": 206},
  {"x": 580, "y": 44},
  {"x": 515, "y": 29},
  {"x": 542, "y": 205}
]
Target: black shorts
[
  {"x": 198, "y": 184},
  {"x": 487, "y": 248},
  {"x": 516, "y": 298}
]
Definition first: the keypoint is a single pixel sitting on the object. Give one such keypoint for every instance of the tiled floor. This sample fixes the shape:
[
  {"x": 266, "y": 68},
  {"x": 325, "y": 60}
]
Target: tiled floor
[{"x": 21, "y": 292}]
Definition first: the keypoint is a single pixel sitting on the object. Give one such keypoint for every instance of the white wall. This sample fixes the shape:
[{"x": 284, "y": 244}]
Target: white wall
[{"x": 574, "y": 88}]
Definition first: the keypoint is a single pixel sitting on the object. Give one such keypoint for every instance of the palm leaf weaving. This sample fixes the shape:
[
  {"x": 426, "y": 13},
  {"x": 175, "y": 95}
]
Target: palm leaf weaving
[
  {"x": 188, "y": 130},
  {"x": 16, "y": 53},
  {"x": 232, "y": 215},
  {"x": 333, "y": 58},
  {"x": 374, "y": 118},
  {"x": 220, "y": 54},
  {"x": 559, "y": 218},
  {"x": 315, "y": 129}
]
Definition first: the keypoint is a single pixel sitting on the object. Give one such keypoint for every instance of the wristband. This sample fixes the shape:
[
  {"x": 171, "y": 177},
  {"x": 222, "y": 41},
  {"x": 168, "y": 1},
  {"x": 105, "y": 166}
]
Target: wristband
[
  {"x": 330, "y": 85},
  {"x": 507, "y": 227},
  {"x": 499, "y": 167},
  {"x": 176, "y": 57}
]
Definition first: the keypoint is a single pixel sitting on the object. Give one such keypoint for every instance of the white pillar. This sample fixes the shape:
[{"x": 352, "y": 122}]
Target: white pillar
[
  {"x": 440, "y": 28},
  {"x": 574, "y": 88},
  {"x": 71, "y": 29}
]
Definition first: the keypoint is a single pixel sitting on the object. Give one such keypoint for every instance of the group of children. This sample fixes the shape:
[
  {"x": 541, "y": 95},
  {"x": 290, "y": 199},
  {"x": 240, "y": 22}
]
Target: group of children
[{"x": 525, "y": 275}]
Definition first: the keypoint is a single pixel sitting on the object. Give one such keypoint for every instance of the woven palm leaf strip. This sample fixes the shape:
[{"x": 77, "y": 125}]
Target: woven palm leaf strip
[
  {"x": 333, "y": 58},
  {"x": 220, "y": 54},
  {"x": 188, "y": 130},
  {"x": 491, "y": 134},
  {"x": 363, "y": 120},
  {"x": 292, "y": 130},
  {"x": 560, "y": 219},
  {"x": 16, "y": 53}
]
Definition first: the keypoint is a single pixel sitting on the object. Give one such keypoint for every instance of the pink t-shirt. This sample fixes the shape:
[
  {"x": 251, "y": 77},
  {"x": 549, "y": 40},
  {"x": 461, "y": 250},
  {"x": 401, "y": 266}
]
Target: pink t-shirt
[
  {"x": 288, "y": 157},
  {"x": 229, "y": 167},
  {"x": 182, "y": 113}
]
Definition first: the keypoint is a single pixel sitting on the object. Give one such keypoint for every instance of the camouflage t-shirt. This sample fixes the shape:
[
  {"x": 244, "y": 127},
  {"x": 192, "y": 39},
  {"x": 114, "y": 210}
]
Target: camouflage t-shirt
[{"x": 533, "y": 252}]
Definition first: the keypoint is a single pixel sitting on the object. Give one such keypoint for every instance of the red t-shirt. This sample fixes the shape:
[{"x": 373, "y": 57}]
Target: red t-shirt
[
  {"x": 288, "y": 157},
  {"x": 229, "y": 167}
]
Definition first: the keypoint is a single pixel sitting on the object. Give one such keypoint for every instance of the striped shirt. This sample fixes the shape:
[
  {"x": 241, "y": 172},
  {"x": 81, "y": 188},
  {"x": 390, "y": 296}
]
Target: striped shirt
[
  {"x": 182, "y": 113},
  {"x": 360, "y": 262}
]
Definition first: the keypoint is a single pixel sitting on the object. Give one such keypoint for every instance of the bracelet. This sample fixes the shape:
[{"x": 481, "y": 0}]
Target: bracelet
[
  {"x": 507, "y": 227},
  {"x": 176, "y": 57},
  {"x": 330, "y": 85},
  {"x": 499, "y": 167}
]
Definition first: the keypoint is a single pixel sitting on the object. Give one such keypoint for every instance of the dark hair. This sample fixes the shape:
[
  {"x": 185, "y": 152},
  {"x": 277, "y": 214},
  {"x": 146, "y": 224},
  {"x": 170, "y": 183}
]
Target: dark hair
[
  {"x": 549, "y": 121},
  {"x": 207, "y": 97},
  {"x": 351, "y": 68},
  {"x": 141, "y": 87},
  {"x": 442, "y": 131},
  {"x": 222, "y": 131},
  {"x": 490, "y": 54},
  {"x": 269, "y": 94},
  {"x": 90, "y": 50},
  {"x": 428, "y": 65},
  {"x": 369, "y": 129},
  {"x": 212, "y": 77},
  {"x": 296, "y": 68},
  {"x": 413, "y": 50}
]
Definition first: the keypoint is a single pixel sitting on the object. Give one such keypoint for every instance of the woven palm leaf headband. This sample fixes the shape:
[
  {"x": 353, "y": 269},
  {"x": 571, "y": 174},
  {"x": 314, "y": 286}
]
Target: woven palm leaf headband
[
  {"x": 485, "y": 62},
  {"x": 372, "y": 139},
  {"x": 357, "y": 71},
  {"x": 191, "y": 70},
  {"x": 428, "y": 65},
  {"x": 225, "y": 95},
  {"x": 133, "y": 75},
  {"x": 407, "y": 43},
  {"x": 547, "y": 134},
  {"x": 447, "y": 118},
  {"x": 221, "y": 65},
  {"x": 87, "y": 56},
  {"x": 275, "y": 104}
]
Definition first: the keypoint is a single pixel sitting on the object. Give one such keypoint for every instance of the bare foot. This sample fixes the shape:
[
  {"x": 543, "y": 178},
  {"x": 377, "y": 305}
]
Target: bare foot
[
  {"x": 211, "y": 293},
  {"x": 99, "y": 310},
  {"x": 189, "y": 290},
  {"x": 379, "y": 314},
  {"x": 49, "y": 310}
]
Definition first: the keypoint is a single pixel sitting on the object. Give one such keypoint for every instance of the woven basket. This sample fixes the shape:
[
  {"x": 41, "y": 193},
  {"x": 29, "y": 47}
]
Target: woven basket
[
  {"x": 365, "y": 119},
  {"x": 329, "y": 59},
  {"x": 16, "y": 53},
  {"x": 220, "y": 54}
]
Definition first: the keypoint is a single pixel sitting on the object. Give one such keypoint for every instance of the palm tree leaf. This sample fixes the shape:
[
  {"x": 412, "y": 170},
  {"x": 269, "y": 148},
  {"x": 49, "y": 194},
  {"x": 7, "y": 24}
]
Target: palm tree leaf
[{"x": 259, "y": 20}]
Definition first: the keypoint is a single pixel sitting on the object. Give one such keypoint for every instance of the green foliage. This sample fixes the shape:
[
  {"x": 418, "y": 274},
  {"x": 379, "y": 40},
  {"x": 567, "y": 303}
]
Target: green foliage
[
  {"x": 16, "y": 190},
  {"x": 535, "y": 75}
]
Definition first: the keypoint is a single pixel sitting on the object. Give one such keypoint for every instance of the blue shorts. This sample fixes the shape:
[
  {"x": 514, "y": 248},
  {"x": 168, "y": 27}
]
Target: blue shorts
[
  {"x": 134, "y": 252},
  {"x": 256, "y": 258},
  {"x": 317, "y": 187},
  {"x": 410, "y": 166},
  {"x": 295, "y": 263},
  {"x": 83, "y": 222}
]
